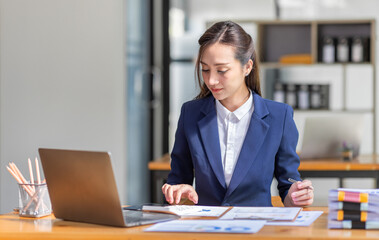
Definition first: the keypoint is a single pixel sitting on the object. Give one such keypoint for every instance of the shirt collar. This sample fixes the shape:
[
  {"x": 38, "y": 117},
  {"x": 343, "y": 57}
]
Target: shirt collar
[
  {"x": 245, "y": 108},
  {"x": 222, "y": 111},
  {"x": 240, "y": 112}
]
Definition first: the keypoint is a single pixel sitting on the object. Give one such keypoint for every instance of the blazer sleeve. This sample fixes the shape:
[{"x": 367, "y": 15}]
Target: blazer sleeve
[
  {"x": 287, "y": 161},
  {"x": 181, "y": 161}
]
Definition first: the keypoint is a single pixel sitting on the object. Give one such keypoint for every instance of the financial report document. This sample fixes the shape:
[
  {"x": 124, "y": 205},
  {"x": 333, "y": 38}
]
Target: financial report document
[
  {"x": 263, "y": 213},
  {"x": 214, "y": 226},
  {"x": 304, "y": 219},
  {"x": 188, "y": 210}
]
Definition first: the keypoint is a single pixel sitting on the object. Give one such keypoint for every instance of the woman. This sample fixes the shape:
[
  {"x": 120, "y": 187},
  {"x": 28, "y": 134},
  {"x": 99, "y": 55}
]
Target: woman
[{"x": 231, "y": 139}]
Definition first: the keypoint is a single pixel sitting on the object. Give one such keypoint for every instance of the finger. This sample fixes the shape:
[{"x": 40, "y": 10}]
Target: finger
[
  {"x": 186, "y": 191},
  {"x": 193, "y": 197},
  {"x": 178, "y": 195},
  {"x": 307, "y": 196},
  {"x": 164, "y": 188},
  {"x": 295, "y": 186},
  {"x": 304, "y": 184},
  {"x": 170, "y": 193},
  {"x": 304, "y": 202},
  {"x": 299, "y": 193},
  {"x": 165, "y": 185},
  {"x": 165, "y": 191},
  {"x": 166, "y": 194}
]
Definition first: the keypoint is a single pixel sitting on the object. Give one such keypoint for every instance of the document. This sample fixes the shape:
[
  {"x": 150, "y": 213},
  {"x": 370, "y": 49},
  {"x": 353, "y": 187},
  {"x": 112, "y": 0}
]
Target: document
[
  {"x": 263, "y": 213},
  {"x": 187, "y": 210},
  {"x": 304, "y": 219},
  {"x": 214, "y": 226}
]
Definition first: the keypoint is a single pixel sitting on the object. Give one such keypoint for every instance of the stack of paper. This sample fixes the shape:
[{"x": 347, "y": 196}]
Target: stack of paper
[
  {"x": 354, "y": 208},
  {"x": 236, "y": 220}
]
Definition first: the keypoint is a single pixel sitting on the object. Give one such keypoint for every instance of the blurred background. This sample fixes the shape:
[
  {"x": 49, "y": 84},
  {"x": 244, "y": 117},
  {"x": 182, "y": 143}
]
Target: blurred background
[{"x": 112, "y": 75}]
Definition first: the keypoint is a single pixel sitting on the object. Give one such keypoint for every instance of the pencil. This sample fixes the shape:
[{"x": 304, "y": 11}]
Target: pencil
[
  {"x": 19, "y": 174},
  {"x": 28, "y": 190},
  {"x": 14, "y": 175},
  {"x": 37, "y": 171},
  {"x": 31, "y": 173}
]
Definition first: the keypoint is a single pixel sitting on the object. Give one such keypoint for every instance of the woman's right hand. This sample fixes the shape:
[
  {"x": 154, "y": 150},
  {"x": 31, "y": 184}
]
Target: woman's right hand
[{"x": 174, "y": 193}]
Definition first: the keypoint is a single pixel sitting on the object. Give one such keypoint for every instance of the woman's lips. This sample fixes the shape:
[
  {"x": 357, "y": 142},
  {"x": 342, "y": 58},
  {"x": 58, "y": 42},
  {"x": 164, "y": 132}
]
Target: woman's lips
[{"x": 216, "y": 90}]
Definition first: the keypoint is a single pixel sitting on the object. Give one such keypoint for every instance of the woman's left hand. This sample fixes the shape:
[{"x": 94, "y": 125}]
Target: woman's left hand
[{"x": 300, "y": 194}]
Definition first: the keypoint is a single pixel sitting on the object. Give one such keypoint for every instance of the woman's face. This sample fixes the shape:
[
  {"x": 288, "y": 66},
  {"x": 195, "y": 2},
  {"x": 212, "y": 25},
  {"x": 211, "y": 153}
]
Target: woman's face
[{"x": 223, "y": 73}]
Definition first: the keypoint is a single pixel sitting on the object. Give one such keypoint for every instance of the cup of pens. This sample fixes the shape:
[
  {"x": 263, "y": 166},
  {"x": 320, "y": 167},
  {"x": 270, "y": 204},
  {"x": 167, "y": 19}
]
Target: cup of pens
[{"x": 34, "y": 200}]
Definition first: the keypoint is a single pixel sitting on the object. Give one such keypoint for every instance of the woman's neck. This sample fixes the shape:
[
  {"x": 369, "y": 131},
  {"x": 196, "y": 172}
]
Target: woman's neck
[{"x": 233, "y": 103}]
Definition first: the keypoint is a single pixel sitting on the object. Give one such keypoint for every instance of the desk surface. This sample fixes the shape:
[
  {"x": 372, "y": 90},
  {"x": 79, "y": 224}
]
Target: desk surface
[
  {"x": 365, "y": 162},
  {"x": 14, "y": 227}
]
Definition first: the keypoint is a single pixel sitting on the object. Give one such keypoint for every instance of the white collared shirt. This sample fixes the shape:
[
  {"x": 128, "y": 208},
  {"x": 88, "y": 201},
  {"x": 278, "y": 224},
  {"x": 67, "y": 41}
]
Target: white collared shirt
[{"x": 232, "y": 129}]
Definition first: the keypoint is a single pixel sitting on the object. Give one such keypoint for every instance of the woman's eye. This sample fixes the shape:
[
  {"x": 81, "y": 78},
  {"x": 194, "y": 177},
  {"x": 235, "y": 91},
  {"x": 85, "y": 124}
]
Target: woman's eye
[
  {"x": 205, "y": 70},
  {"x": 222, "y": 72}
]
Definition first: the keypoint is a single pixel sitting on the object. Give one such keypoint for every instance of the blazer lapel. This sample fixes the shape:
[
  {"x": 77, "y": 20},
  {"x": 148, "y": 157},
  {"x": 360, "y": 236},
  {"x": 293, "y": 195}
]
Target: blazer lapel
[
  {"x": 209, "y": 134},
  {"x": 254, "y": 139}
]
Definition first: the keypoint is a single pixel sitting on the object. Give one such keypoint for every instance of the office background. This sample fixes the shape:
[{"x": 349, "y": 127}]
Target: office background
[{"x": 77, "y": 74}]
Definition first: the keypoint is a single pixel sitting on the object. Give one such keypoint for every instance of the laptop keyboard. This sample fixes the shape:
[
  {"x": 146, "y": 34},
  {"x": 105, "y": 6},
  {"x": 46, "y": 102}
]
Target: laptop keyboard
[{"x": 140, "y": 217}]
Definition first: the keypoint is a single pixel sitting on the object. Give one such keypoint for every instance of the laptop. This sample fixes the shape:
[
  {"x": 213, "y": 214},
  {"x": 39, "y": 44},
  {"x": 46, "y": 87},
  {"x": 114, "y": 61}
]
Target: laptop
[
  {"x": 324, "y": 137},
  {"x": 82, "y": 188}
]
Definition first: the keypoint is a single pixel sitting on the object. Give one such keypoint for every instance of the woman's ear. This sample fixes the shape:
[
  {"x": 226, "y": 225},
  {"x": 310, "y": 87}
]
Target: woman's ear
[{"x": 249, "y": 66}]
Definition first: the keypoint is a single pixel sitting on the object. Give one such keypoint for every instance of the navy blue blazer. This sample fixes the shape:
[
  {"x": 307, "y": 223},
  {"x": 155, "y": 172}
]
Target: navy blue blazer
[{"x": 269, "y": 150}]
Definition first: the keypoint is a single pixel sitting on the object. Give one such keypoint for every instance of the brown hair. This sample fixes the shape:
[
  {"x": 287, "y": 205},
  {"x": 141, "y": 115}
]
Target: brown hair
[{"x": 230, "y": 33}]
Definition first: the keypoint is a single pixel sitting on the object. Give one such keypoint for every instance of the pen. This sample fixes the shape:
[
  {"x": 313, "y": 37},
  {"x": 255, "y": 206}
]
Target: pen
[{"x": 293, "y": 181}]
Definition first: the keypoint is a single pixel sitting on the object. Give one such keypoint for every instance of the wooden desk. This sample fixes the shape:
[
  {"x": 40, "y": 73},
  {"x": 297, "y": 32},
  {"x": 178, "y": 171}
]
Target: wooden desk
[
  {"x": 14, "y": 227},
  {"x": 366, "y": 166}
]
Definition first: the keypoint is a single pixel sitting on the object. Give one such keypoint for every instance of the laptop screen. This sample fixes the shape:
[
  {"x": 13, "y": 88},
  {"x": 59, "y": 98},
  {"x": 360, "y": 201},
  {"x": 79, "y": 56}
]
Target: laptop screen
[
  {"x": 325, "y": 137},
  {"x": 82, "y": 188}
]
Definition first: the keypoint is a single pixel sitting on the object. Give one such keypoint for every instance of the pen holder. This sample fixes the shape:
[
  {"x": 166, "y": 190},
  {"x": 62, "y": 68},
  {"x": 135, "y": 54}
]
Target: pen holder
[
  {"x": 34, "y": 200},
  {"x": 347, "y": 155}
]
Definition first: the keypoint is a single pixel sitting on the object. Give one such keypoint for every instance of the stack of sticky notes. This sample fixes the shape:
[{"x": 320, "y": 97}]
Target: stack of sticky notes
[{"x": 354, "y": 208}]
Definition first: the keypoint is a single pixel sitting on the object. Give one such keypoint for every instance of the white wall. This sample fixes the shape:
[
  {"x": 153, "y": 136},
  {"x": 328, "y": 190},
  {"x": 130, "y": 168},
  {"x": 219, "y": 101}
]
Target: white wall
[
  {"x": 62, "y": 82},
  {"x": 201, "y": 11}
]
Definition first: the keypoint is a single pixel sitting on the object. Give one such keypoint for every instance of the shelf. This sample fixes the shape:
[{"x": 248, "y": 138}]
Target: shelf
[
  {"x": 283, "y": 65},
  {"x": 345, "y": 30},
  {"x": 327, "y": 111},
  {"x": 349, "y": 87},
  {"x": 285, "y": 38}
]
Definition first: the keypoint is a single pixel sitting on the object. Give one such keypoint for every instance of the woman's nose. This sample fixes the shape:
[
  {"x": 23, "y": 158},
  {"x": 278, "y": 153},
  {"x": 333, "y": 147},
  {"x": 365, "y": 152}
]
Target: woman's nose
[{"x": 213, "y": 79}]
